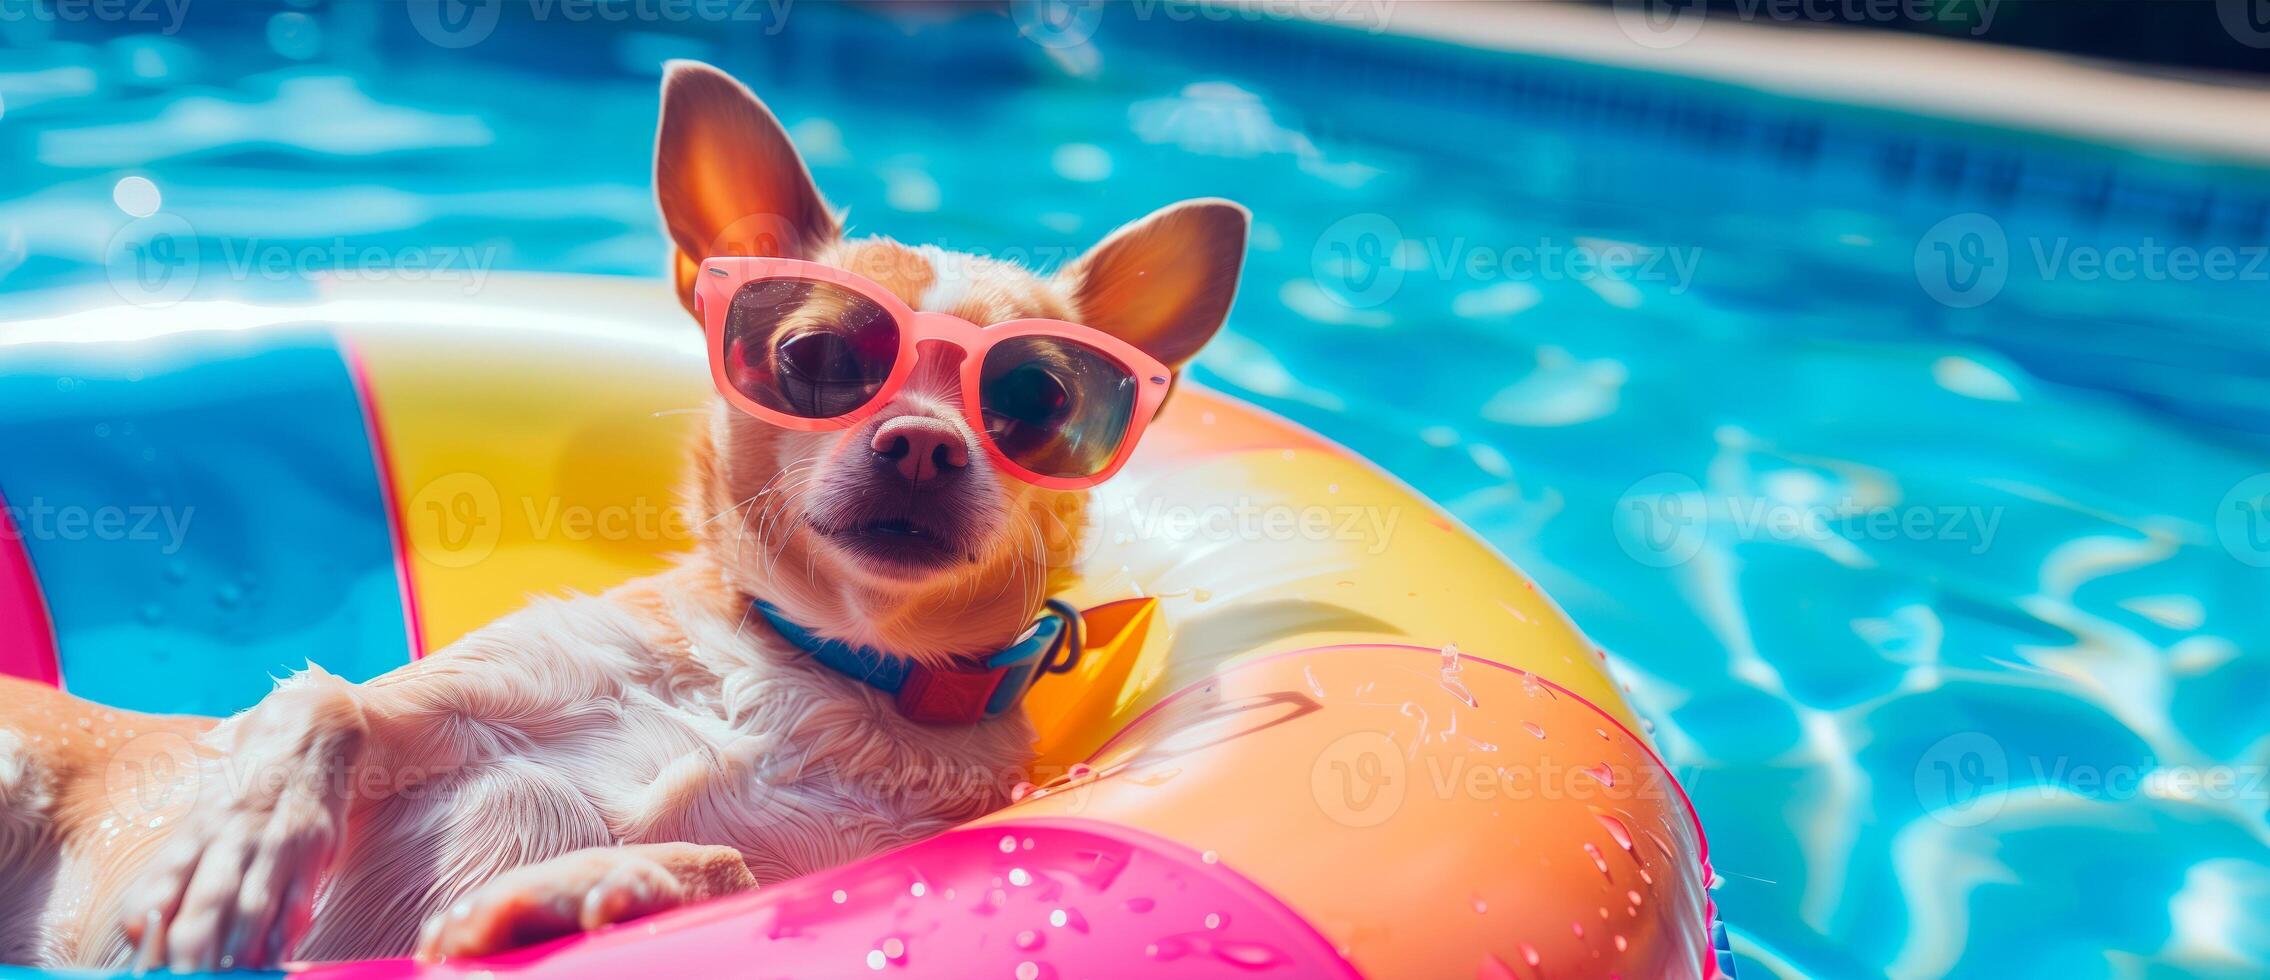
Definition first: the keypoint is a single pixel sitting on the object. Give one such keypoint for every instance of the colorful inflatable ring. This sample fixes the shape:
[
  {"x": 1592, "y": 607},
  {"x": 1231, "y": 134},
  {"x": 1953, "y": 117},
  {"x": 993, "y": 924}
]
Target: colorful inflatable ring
[{"x": 1322, "y": 729}]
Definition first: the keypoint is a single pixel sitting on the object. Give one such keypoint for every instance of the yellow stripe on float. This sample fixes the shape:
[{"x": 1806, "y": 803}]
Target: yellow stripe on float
[{"x": 522, "y": 467}]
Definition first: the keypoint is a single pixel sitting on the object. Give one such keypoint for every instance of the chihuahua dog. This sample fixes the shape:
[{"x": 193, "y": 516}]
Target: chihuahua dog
[{"x": 588, "y": 760}]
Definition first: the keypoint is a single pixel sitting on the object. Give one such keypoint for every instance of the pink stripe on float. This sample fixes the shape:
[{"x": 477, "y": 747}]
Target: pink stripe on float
[
  {"x": 1056, "y": 897},
  {"x": 375, "y": 428},
  {"x": 27, "y": 635},
  {"x": 1291, "y": 930}
]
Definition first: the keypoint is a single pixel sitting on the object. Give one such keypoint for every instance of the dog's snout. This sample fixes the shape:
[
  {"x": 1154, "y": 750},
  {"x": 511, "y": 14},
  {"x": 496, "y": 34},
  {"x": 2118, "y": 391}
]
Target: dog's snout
[{"x": 919, "y": 448}]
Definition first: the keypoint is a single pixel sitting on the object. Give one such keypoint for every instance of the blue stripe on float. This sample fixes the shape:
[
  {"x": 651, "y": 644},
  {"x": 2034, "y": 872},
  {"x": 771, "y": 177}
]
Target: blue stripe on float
[{"x": 204, "y": 514}]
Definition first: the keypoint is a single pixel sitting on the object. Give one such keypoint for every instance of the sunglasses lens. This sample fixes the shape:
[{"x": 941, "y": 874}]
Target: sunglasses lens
[
  {"x": 808, "y": 348},
  {"x": 1056, "y": 407}
]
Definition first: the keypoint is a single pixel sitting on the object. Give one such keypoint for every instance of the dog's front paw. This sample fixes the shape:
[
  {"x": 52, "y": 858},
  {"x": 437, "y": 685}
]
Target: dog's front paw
[
  {"x": 234, "y": 885},
  {"x": 573, "y": 893}
]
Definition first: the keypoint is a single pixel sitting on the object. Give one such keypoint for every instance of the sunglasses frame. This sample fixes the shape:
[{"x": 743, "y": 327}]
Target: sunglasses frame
[{"x": 723, "y": 277}]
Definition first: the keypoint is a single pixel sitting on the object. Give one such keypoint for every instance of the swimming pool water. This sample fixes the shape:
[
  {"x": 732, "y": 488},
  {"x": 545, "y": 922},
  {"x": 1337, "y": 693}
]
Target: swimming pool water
[{"x": 1929, "y": 553}]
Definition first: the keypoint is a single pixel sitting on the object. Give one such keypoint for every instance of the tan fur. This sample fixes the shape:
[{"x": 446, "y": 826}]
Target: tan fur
[{"x": 590, "y": 759}]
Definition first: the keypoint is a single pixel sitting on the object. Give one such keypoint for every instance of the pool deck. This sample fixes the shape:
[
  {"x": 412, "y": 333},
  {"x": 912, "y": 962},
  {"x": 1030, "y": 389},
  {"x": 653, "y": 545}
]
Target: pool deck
[{"x": 2193, "y": 113}]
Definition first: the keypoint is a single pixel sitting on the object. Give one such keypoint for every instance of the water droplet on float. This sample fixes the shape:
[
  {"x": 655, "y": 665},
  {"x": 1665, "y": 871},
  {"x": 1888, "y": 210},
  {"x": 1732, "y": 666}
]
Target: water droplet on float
[
  {"x": 1634, "y": 896},
  {"x": 876, "y": 960},
  {"x": 1248, "y": 956},
  {"x": 1480, "y": 907},
  {"x": 1028, "y": 939},
  {"x": 1213, "y": 920},
  {"x": 1529, "y": 954},
  {"x": 1028, "y": 970},
  {"x": 1210, "y": 857},
  {"x": 1008, "y": 842},
  {"x": 1661, "y": 844},
  {"x": 1020, "y": 877},
  {"x": 841, "y": 896},
  {"x": 894, "y": 949},
  {"x": 1167, "y": 949},
  {"x": 1598, "y": 861},
  {"x": 918, "y": 889},
  {"x": 1616, "y": 830},
  {"x": 1139, "y": 905},
  {"x": 1020, "y": 793},
  {"x": 1622, "y": 944},
  {"x": 1533, "y": 728},
  {"x": 1576, "y": 927},
  {"x": 1601, "y": 774}
]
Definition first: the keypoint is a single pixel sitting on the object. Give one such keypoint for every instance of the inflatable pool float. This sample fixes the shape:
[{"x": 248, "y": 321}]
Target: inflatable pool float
[{"x": 1322, "y": 730}]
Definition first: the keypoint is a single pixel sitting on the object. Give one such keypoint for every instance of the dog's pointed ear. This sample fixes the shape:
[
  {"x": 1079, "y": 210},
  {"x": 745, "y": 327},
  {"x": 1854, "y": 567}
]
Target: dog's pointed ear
[
  {"x": 727, "y": 178},
  {"x": 1164, "y": 283}
]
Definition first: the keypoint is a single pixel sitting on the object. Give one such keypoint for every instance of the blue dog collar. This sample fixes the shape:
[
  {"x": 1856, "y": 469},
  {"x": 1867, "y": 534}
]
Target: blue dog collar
[{"x": 936, "y": 696}]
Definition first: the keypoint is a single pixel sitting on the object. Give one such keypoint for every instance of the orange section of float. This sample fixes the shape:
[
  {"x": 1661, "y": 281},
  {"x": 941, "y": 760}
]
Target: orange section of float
[
  {"x": 523, "y": 465},
  {"x": 1430, "y": 816}
]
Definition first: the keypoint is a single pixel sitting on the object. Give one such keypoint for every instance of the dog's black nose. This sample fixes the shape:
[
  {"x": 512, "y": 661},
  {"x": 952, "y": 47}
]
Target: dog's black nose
[{"x": 920, "y": 448}]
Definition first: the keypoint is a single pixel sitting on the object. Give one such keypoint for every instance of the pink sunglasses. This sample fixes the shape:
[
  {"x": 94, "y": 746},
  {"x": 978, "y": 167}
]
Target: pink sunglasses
[{"x": 810, "y": 347}]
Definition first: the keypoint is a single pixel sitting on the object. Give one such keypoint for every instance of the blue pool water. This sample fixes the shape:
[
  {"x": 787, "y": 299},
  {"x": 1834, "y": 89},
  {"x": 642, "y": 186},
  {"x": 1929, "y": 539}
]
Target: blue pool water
[{"x": 1930, "y": 546}]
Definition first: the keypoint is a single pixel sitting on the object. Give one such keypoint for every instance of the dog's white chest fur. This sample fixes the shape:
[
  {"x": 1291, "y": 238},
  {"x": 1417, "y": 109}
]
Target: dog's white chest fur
[{"x": 582, "y": 733}]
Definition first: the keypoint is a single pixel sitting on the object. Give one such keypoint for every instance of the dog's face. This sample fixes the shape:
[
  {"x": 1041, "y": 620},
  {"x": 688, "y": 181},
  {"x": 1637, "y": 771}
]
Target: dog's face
[{"x": 900, "y": 532}]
